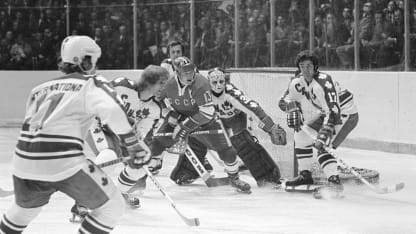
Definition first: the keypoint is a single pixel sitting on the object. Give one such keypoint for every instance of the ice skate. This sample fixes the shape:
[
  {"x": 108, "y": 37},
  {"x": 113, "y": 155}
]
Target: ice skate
[
  {"x": 131, "y": 200},
  {"x": 304, "y": 178},
  {"x": 78, "y": 213},
  {"x": 241, "y": 185}
]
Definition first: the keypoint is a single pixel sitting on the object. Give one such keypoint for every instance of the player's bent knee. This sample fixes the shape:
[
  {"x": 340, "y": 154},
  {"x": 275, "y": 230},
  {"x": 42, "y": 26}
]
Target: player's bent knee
[
  {"x": 105, "y": 217},
  {"x": 17, "y": 218}
]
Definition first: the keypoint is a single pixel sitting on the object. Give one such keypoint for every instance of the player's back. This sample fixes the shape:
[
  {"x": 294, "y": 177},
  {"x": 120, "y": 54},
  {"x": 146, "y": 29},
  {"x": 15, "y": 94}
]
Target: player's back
[{"x": 58, "y": 115}]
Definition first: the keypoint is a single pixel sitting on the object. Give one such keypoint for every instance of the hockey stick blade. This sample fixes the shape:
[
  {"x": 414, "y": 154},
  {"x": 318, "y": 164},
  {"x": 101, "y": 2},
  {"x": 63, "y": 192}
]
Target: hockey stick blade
[
  {"x": 193, "y": 222},
  {"x": 377, "y": 189},
  {"x": 6, "y": 193}
]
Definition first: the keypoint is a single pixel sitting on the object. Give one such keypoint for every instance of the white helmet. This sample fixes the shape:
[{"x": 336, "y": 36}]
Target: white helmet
[{"x": 75, "y": 48}]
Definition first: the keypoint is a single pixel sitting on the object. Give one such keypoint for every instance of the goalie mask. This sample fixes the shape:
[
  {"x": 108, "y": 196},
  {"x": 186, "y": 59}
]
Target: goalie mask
[
  {"x": 185, "y": 70},
  {"x": 81, "y": 51},
  {"x": 217, "y": 80}
]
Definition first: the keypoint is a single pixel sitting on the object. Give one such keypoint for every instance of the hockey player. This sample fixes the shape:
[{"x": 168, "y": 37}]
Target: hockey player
[
  {"x": 189, "y": 101},
  {"x": 232, "y": 106},
  {"x": 49, "y": 154},
  {"x": 175, "y": 50},
  {"x": 336, "y": 117},
  {"x": 143, "y": 111}
]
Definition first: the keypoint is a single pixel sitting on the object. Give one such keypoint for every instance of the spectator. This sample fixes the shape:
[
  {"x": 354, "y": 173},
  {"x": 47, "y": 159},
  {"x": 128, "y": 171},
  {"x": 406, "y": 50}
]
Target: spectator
[
  {"x": 122, "y": 48},
  {"x": 20, "y": 54},
  {"x": 346, "y": 52}
]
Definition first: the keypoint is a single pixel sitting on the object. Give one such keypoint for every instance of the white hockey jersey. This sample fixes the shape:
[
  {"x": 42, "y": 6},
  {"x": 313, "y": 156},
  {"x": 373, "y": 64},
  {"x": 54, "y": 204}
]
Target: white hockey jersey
[
  {"x": 233, "y": 101},
  {"x": 146, "y": 113},
  {"x": 324, "y": 94},
  {"x": 58, "y": 115}
]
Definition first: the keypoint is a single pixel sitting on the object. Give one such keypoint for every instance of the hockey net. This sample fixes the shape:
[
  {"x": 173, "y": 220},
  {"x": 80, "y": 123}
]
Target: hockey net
[{"x": 266, "y": 86}]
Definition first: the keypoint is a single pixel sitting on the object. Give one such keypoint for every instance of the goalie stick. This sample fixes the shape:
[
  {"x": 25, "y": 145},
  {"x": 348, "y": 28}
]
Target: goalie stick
[
  {"x": 377, "y": 189},
  {"x": 189, "y": 221}
]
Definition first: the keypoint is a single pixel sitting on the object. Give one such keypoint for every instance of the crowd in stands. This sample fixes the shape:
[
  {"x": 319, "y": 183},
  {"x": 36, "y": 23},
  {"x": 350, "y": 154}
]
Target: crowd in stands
[{"x": 31, "y": 32}]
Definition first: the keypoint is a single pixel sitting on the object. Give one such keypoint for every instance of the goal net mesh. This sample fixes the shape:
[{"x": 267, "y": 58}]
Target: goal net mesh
[{"x": 266, "y": 86}]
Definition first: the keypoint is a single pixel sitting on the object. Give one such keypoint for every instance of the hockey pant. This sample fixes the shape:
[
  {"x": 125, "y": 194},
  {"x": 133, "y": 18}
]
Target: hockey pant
[
  {"x": 89, "y": 187},
  {"x": 258, "y": 161}
]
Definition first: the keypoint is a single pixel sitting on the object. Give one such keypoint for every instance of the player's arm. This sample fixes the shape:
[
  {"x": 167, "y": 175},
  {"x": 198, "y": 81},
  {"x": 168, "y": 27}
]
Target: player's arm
[
  {"x": 277, "y": 134},
  {"x": 290, "y": 103},
  {"x": 328, "y": 97},
  {"x": 102, "y": 101}
]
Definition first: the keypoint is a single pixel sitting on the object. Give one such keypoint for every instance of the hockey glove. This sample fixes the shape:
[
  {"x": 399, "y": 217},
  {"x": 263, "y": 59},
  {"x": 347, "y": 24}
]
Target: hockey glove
[
  {"x": 173, "y": 118},
  {"x": 324, "y": 136},
  {"x": 276, "y": 133},
  {"x": 137, "y": 150},
  {"x": 295, "y": 120},
  {"x": 180, "y": 134}
]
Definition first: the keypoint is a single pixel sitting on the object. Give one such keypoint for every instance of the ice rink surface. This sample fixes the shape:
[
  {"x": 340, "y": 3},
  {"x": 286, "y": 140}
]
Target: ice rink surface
[{"x": 222, "y": 210}]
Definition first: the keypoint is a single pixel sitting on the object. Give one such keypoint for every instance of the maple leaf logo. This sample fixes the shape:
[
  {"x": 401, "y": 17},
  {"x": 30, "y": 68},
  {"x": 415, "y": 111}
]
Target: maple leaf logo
[{"x": 143, "y": 113}]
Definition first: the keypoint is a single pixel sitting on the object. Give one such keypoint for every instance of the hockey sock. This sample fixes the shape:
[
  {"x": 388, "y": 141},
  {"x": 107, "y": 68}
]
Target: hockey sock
[
  {"x": 128, "y": 177},
  {"x": 17, "y": 218},
  {"x": 304, "y": 157},
  {"x": 328, "y": 163},
  {"x": 231, "y": 168}
]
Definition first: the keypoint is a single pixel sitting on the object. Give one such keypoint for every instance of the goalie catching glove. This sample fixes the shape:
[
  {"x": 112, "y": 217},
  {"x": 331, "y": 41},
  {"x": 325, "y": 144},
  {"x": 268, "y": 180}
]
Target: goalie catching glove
[
  {"x": 137, "y": 150},
  {"x": 324, "y": 136},
  {"x": 276, "y": 133}
]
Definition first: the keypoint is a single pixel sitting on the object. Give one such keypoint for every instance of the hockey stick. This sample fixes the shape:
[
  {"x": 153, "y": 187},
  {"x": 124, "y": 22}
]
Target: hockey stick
[
  {"x": 202, "y": 172},
  {"x": 188, "y": 221},
  {"x": 377, "y": 189},
  {"x": 204, "y": 132},
  {"x": 112, "y": 162}
]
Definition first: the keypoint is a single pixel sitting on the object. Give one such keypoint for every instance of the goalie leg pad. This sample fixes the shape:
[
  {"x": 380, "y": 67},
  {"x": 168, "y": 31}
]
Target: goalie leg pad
[
  {"x": 184, "y": 172},
  {"x": 255, "y": 157}
]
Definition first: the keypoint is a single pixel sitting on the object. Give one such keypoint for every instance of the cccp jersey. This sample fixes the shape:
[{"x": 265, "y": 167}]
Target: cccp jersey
[
  {"x": 58, "y": 115},
  {"x": 146, "y": 113},
  {"x": 188, "y": 100}
]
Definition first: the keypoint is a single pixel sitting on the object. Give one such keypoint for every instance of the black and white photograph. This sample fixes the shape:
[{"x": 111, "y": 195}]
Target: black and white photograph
[{"x": 208, "y": 116}]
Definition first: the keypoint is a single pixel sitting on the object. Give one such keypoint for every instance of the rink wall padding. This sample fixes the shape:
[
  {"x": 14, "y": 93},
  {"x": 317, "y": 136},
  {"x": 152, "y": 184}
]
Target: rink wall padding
[{"x": 385, "y": 100}]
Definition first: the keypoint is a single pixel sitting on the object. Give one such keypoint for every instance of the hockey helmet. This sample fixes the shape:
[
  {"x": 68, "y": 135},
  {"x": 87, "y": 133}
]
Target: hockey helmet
[
  {"x": 185, "y": 69},
  {"x": 74, "y": 49},
  {"x": 217, "y": 79},
  {"x": 307, "y": 55}
]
